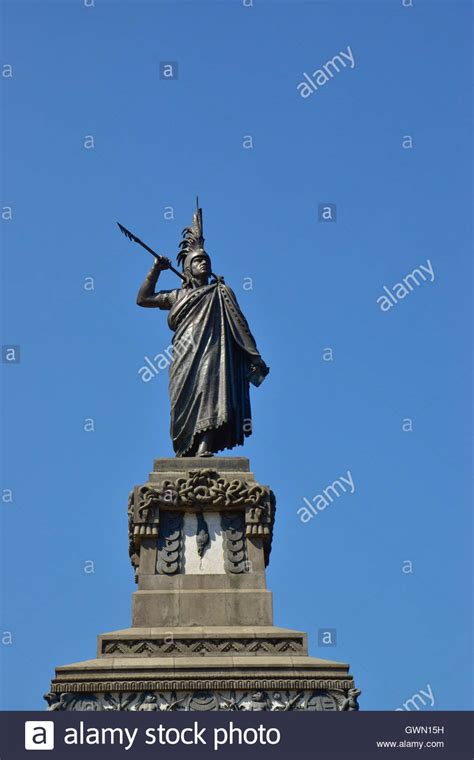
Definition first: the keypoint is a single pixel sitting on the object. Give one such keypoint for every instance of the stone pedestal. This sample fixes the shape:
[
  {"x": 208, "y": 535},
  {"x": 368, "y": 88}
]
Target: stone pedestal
[{"x": 202, "y": 635}]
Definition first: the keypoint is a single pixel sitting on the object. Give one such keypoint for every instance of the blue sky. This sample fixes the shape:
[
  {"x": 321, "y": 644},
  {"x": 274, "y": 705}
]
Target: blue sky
[{"x": 95, "y": 71}]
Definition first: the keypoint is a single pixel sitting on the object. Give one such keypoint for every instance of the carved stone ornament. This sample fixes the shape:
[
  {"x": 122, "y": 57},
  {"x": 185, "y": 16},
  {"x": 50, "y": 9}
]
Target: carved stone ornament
[
  {"x": 203, "y": 701},
  {"x": 205, "y": 487},
  {"x": 234, "y": 543},
  {"x": 198, "y": 490},
  {"x": 170, "y": 544},
  {"x": 176, "y": 645}
]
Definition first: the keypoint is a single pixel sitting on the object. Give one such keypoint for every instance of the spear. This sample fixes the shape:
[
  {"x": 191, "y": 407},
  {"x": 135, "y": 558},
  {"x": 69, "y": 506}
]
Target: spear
[{"x": 136, "y": 239}]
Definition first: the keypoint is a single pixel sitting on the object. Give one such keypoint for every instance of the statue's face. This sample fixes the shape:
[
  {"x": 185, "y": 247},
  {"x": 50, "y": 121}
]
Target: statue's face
[{"x": 201, "y": 265}]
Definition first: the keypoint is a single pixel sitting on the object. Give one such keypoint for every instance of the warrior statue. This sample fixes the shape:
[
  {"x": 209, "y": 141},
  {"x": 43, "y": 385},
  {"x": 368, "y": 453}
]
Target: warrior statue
[{"x": 214, "y": 353}]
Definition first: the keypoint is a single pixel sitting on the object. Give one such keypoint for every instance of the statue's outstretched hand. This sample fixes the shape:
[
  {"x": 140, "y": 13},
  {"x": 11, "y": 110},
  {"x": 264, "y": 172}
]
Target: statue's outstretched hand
[
  {"x": 258, "y": 372},
  {"x": 162, "y": 263}
]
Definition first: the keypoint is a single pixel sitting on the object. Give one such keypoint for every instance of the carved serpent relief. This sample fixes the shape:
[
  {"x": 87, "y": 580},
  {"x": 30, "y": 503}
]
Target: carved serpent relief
[
  {"x": 199, "y": 489},
  {"x": 207, "y": 487}
]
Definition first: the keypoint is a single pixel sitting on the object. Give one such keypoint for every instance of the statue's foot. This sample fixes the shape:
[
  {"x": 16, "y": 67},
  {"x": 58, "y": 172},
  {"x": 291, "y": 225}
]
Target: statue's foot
[{"x": 203, "y": 449}]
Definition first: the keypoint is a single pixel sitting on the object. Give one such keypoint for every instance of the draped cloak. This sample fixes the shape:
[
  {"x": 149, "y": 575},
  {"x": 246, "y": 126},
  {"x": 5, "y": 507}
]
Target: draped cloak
[{"x": 213, "y": 350}]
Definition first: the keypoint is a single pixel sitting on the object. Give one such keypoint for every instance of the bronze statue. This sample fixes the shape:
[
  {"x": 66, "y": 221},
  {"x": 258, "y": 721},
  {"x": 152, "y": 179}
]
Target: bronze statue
[{"x": 215, "y": 356}]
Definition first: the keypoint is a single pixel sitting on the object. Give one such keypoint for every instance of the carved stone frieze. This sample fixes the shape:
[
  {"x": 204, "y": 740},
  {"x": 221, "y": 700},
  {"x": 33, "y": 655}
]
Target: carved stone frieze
[
  {"x": 256, "y": 699},
  {"x": 202, "y": 684},
  {"x": 206, "y": 488},
  {"x": 172, "y": 646}
]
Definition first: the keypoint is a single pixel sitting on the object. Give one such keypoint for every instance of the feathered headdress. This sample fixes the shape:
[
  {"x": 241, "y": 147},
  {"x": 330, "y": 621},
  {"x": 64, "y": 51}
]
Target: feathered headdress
[{"x": 193, "y": 239}]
